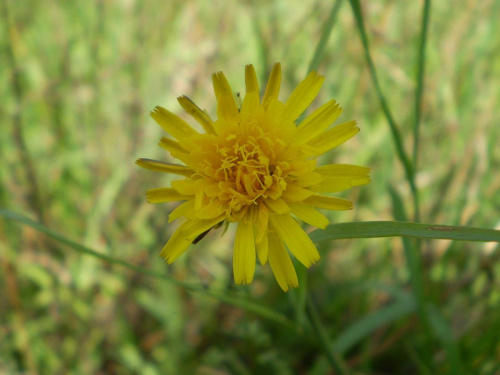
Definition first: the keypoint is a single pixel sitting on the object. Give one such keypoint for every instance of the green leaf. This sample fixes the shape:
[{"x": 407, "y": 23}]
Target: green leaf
[{"x": 376, "y": 229}]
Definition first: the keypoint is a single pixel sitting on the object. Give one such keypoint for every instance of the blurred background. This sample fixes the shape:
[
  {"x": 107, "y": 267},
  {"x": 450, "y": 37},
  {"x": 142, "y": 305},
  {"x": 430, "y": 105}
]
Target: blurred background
[{"x": 78, "y": 81}]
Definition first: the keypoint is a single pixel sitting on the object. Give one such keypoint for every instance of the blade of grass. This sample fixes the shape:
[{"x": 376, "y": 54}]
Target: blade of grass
[
  {"x": 415, "y": 358},
  {"x": 412, "y": 253},
  {"x": 332, "y": 355},
  {"x": 444, "y": 334},
  {"x": 370, "y": 323},
  {"x": 320, "y": 47},
  {"x": 414, "y": 264},
  {"x": 376, "y": 229},
  {"x": 396, "y": 135},
  {"x": 327, "y": 30},
  {"x": 420, "y": 80},
  {"x": 222, "y": 296},
  {"x": 33, "y": 192},
  {"x": 300, "y": 296}
]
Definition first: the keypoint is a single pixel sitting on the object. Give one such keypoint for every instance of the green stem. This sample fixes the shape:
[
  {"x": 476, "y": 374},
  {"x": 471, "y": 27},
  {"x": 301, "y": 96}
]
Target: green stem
[
  {"x": 396, "y": 135},
  {"x": 33, "y": 189},
  {"x": 420, "y": 80},
  {"x": 320, "y": 47},
  {"x": 300, "y": 295},
  {"x": 327, "y": 30},
  {"x": 332, "y": 356}
]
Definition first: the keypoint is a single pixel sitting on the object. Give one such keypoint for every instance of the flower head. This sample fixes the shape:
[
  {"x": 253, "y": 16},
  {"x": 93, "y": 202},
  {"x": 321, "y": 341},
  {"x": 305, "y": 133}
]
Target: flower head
[{"x": 254, "y": 166}]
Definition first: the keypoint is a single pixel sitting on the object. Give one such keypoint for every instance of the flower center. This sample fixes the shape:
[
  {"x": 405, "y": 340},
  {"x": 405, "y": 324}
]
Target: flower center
[
  {"x": 242, "y": 168},
  {"x": 254, "y": 172}
]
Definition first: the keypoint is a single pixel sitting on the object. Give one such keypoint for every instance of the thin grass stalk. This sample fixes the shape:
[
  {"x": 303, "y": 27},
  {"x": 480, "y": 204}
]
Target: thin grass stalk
[
  {"x": 413, "y": 248},
  {"x": 418, "y": 110},
  {"x": 301, "y": 294},
  {"x": 396, "y": 135},
  {"x": 34, "y": 199},
  {"x": 420, "y": 81},
  {"x": 325, "y": 35},
  {"x": 222, "y": 296},
  {"x": 333, "y": 357}
]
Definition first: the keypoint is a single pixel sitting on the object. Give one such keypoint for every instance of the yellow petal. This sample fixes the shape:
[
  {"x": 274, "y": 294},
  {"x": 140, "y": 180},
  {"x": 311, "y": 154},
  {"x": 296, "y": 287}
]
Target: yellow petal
[
  {"x": 241, "y": 197},
  {"x": 300, "y": 167},
  {"x": 244, "y": 253},
  {"x": 226, "y": 108},
  {"x": 335, "y": 184},
  {"x": 307, "y": 179},
  {"x": 250, "y": 102},
  {"x": 212, "y": 189},
  {"x": 160, "y": 166},
  {"x": 277, "y": 205},
  {"x": 186, "y": 209},
  {"x": 295, "y": 238},
  {"x": 199, "y": 194},
  {"x": 333, "y": 137},
  {"x": 329, "y": 203},
  {"x": 172, "y": 146},
  {"x": 263, "y": 248},
  {"x": 211, "y": 210},
  {"x": 184, "y": 236},
  {"x": 317, "y": 122},
  {"x": 160, "y": 195},
  {"x": 338, "y": 177},
  {"x": 221, "y": 86},
  {"x": 343, "y": 170},
  {"x": 226, "y": 105},
  {"x": 195, "y": 111},
  {"x": 175, "y": 247},
  {"x": 281, "y": 264},
  {"x": 185, "y": 187},
  {"x": 295, "y": 193},
  {"x": 275, "y": 110},
  {"x": 273, "y": 86},
  {"x": 220, "y": 125},
  {"x": 192, "y": 228},
  {"x": 303, "y": 95},
  {"x": 171, "y": 123},
  {"x": 261, "y": 222},
  {"x": 309, "y": 215},
  {"x": 251, "y": 82}
]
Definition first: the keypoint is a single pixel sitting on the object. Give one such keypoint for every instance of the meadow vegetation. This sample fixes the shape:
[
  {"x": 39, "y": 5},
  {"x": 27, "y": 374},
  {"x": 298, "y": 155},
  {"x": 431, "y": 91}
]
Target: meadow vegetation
[{"x": 79, "y": 79}]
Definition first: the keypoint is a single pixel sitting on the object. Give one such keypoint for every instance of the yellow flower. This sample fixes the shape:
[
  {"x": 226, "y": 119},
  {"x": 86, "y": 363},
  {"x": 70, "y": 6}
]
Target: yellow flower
[{"x": 254, "y": 166}]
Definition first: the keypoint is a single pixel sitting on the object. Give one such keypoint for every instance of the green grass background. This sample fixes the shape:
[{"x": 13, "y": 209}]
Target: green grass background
[{"x": 78, "y": 81}]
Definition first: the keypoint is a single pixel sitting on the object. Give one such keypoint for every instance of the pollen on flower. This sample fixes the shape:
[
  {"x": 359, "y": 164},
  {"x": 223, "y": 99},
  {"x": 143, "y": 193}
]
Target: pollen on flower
[
  {"x": 242, "y": 168},
  {"x": 255, "y": 166}
]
